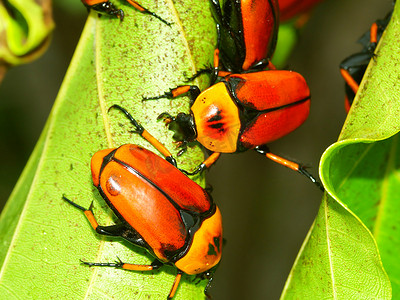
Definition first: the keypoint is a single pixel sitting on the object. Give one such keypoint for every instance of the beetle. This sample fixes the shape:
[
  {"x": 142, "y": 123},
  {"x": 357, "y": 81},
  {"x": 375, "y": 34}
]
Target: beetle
[
  {"x": 247, "y": 33},
  {"x": 159, "y": 208},
  {"x": 241, "y": 112},
  {"x": 353, "y": 67},
  {"x": 108, "y": 8}
]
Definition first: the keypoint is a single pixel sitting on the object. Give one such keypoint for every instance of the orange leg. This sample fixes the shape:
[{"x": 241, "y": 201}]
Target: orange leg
[
  {"x": 118, "y": 230},
  {"x": 146, "y": 135},
  {"x": 374, "y": 33},
  {"x": 193, "y": 91},
  {"x": 205, "y": 164},
  {"x": 349, "y": 80},
  {"x": 214, "y": 71},
  {"x": 175, "y": 285},
  {"x": 111, "y": 230},
  {"x": 347, "y": 104},
  {"x": 121, "y": 265},
  {"x": 134, "y": 267},
  {"x": 289, "y": 164}
]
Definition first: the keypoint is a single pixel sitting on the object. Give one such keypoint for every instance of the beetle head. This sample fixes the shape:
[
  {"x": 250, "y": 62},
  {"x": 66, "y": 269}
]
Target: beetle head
[{"x": 182, "y": 125}]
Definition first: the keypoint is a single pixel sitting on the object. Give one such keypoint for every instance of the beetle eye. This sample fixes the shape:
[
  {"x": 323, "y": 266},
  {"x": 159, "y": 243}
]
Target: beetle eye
[{"x": 113, "y": 186}]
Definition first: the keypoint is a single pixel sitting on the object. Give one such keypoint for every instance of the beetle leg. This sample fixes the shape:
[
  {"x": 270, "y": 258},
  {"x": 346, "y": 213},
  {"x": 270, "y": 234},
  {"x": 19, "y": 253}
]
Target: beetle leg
[
  {"x": 175, "y": 285},
  {"x": 146, "y": 11},
  {"x": 121, "y": 265},
  {"x": 117, "y": 230},
  {"x": 349, "y": 80},
  {"x": 105, "y": 7},
  {"x": 373, "y": 35},
  {"x": 204, "y": 165},
  {"x": 205, "y": 70},
  {"x": 193, "y": 91},
  {"x": 112, "y": 230},
  {"x": 214, "y": 71},
  {"x": 134, "y": 267},
  {"x": 108, "y": 8},
  {"x": 146, "y": 135},
  {"x": 288, "y": 163}
]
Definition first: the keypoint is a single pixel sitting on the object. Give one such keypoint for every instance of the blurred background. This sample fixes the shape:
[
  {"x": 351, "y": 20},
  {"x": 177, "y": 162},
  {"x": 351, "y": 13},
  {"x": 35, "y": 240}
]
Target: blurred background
[{"x": 267, "y": 209}]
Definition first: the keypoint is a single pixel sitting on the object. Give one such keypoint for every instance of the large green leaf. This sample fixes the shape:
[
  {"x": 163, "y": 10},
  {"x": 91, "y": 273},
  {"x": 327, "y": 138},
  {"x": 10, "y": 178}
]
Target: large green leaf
[
  {"x": 115, "y": 63},
  {"x": 359, "y": 213}
]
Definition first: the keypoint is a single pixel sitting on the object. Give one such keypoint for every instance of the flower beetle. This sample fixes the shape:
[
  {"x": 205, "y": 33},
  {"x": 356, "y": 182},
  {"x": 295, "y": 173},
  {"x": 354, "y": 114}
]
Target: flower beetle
[
  {"x": 353, "y": 67},
  {"x": 108, "y": 8},
  {"x": 241, "y": 112},
  {"x": 247, "y": 33},
  {"x": 159, "y": 208}
]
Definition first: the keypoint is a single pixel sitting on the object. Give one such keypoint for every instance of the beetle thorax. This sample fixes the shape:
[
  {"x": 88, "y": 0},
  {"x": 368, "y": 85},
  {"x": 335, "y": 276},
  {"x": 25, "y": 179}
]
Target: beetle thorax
[
  {"x": 205, "y": 250},
  {"x": 216, "y": 118}
]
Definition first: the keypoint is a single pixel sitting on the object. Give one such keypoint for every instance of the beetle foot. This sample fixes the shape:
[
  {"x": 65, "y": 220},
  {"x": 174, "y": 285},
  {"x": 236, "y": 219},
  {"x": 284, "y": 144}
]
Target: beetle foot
[
  {"x": 199, "y": 169},
  {"x": 76, "y": 205},
  {"x": 204, "y": 70},
  {"x": 157, "y": 16},
  {"x": 165, "y": 95},
  {"x": 117, "y": 264},
  {"x": 139, "y": 128},
  {"x": 302, "y": 170}
]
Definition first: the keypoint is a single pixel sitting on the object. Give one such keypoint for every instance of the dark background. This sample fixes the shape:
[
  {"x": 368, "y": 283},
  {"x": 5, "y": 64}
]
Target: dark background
[{"x": 267, "y": 209}]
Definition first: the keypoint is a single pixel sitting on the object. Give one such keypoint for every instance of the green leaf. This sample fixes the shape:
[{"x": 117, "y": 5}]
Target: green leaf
[
  {"x": 114, "y": 63},
  {"x": 359, "y": 213}
]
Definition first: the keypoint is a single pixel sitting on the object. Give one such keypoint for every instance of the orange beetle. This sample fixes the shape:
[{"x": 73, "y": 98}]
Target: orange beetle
[
  {"x": 108, "y": 8},
  {"x": 159, "y": 208},
  {"x": 247, "y": 33},
  {"x": 241, "y": 112}
]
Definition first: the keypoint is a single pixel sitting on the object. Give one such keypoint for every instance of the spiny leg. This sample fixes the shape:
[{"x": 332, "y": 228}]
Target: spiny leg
[
  {"x": 135, "y": 267},
  {"x": 111, "y": 230},
  {"x": 193, "y": 91},
  {"x": 264, "y": 150},
  {"x": 204, "y": 165},
  {"x": 126, "y": 266},
  {"x": 146, "y": 11},
  {"x": 349, "y": 80},
  {"x": 146, "y": 135}
]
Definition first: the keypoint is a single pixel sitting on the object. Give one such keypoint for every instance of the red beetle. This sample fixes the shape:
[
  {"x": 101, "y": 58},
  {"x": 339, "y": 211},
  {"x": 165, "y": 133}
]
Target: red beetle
[
  {"x": 159, "y": 208},
  {"x": 247, "y": 33},
  {"x": 108, "y": 8},
  {"x": 241, "y": 112}
]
